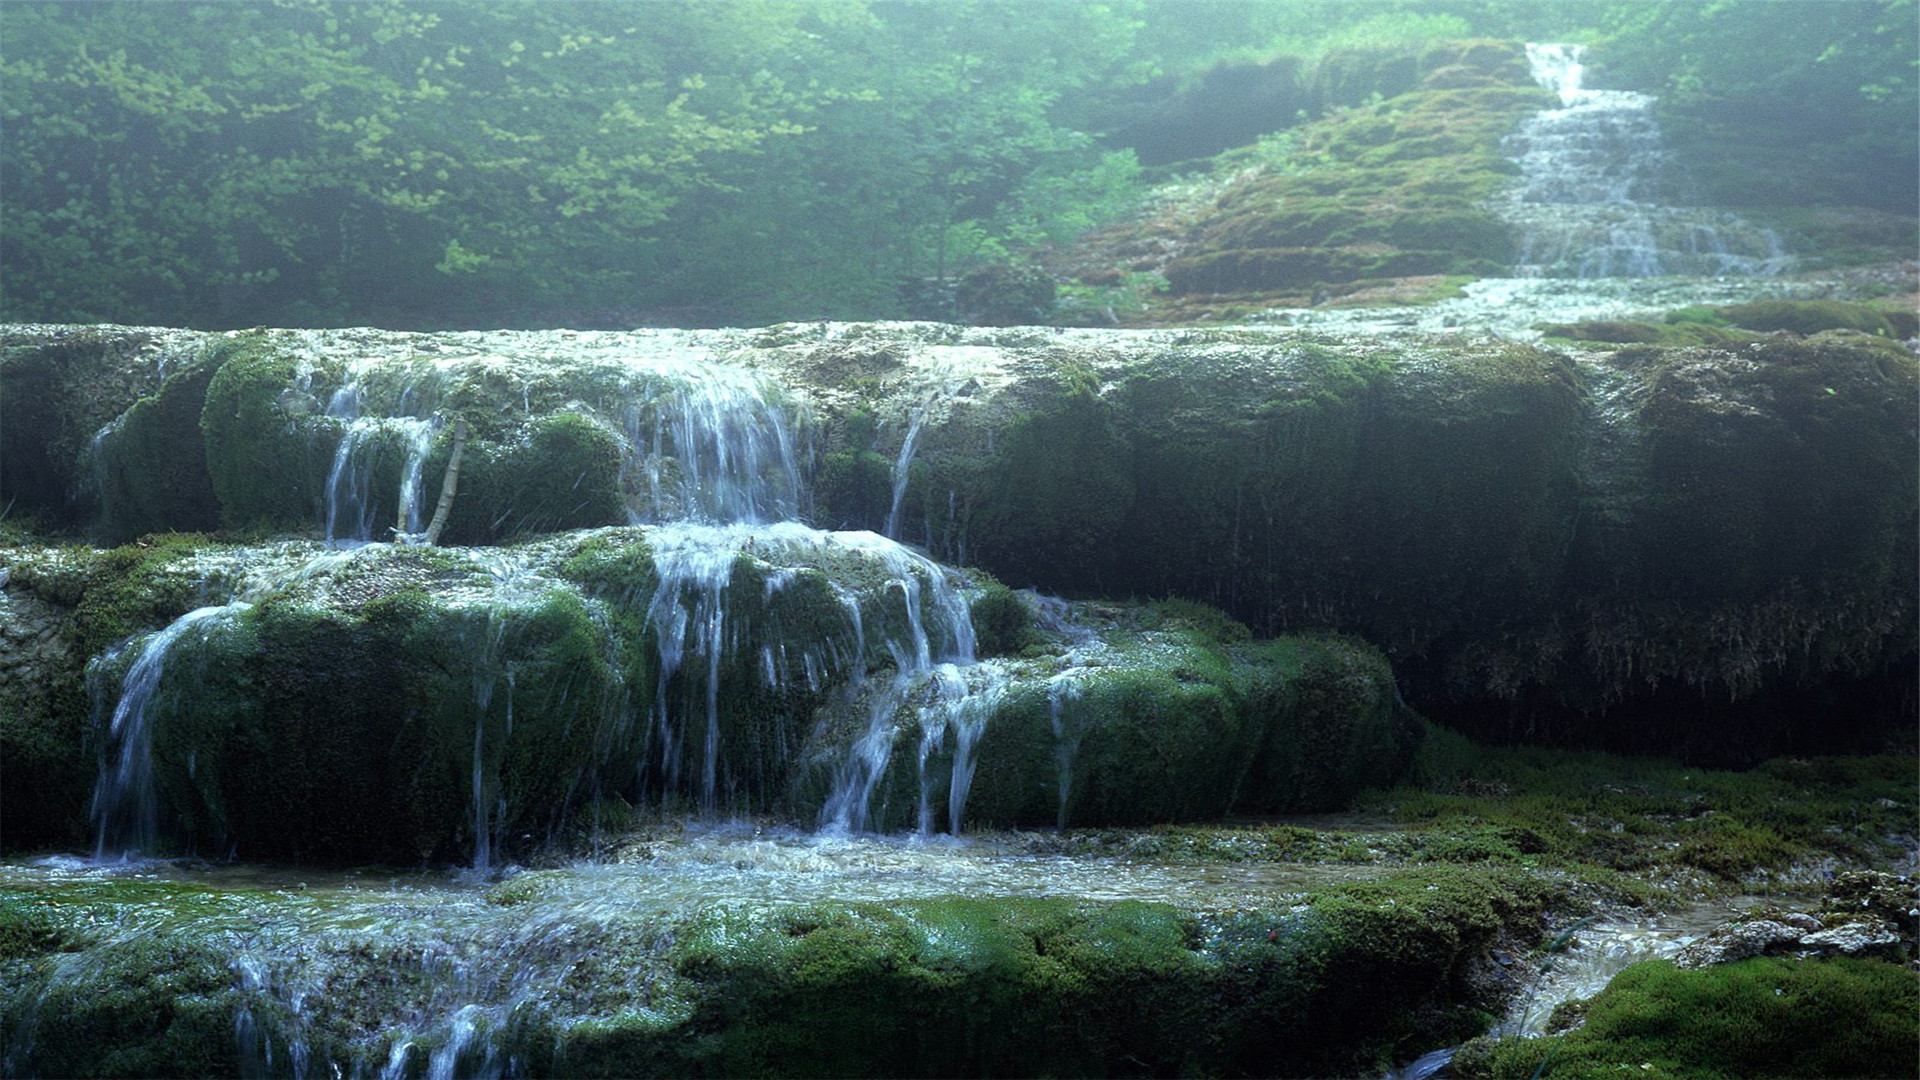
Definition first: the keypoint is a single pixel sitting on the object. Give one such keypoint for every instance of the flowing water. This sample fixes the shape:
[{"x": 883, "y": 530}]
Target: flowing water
[
  {"x": 1592, "y": 198},
  {"x": 428, "y": 974}
]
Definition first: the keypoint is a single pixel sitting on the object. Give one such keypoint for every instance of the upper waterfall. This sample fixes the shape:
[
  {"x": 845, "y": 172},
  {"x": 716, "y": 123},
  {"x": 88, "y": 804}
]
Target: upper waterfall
[{"x": 1593, "y": 174}]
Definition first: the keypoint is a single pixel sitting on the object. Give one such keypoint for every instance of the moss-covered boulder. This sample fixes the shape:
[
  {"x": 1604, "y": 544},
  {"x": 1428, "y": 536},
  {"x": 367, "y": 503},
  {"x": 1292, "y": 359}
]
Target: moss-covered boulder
[
  {"x": 61, "y": 392},
  {"x": 268, "y": 446},
  {"x": 1806, "y": 316},
  {"x": 577, "y": 974},
  {"x": 1117, "y": 714},
  {"x": 1764, "y": 1017}
]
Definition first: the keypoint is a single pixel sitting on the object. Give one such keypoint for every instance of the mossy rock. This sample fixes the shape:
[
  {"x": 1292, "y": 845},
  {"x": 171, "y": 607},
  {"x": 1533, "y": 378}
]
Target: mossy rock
[
  {"x": 268, "y": 452},
  {"x": 1464, "y": 488},
  {"x": 1766, "y": 1017},
  {"x": 158, "y": 1005},
  {"x": 1670, "y": 332},
  {"x": 348, "y": 729},
  {"x": 60, "y": 387},
  {"x": 45, "y": 771},
  {"x": 561, "y": 471},
  {"x": 1058, "y": 489},
  {"x": 1148, "y": 727},
  {"x": 1784, "y": 460},
  {"x": 151, "y": 464},
  {"x": 1051, "y": 986},
  {"x": 1806, "y": 316}
]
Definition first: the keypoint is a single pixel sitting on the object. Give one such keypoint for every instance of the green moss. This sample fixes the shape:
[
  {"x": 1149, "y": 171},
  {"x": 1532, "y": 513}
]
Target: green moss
[
  {"x": 1762, "y": 1018},
  {"x": 1063, "y": 987},
  {"x": 561, "y": 471},
  {"x": 1682, "y": 331},
  {"x": 159, "y": 1005},
  {"x": 152, "y": 465},
  {"x": 1002, "y": 624},
  {"x": 268, "y": 459},
  {"x": 854, "y": 489},
  {"x": 1646, "y": 817},
  {"x": 136, "y": 587},
  {"x": 1806, "y": 316},
  {"x": 1175, "y": 727},
  {"x": 1332, "y": 726}
]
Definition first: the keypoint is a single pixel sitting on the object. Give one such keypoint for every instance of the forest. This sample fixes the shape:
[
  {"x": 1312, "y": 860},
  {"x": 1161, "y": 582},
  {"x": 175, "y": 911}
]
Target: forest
[{"x": 606, "y": 164}]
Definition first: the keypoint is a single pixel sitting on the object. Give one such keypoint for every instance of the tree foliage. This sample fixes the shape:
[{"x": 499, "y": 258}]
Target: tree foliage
[{"x": 312, "y": 162}]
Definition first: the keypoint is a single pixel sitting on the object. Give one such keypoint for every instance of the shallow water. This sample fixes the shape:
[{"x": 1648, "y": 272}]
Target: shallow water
[
  {"x": 686, "y": 871},
  {"x": 1596, "y": 953},
  {"x": 1510, "y": 307}
]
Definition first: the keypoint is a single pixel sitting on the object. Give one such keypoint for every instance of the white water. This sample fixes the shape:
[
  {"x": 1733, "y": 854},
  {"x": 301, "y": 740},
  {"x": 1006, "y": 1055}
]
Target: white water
[
  {"x": 708, "y": 442},
  {"x": 1589, "y": 199},
  {"x": 126, "y": 811}
]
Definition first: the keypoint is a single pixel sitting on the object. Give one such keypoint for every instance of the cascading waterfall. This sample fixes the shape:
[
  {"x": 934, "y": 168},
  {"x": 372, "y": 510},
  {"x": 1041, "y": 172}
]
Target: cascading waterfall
[
  {"x": 351, "y": 505},
  {"x": 1591, "y": 174},
  {"x": 940, "y": 652},
  {"x": 125, "y": 806},
  {"x": 714, "y": 469},
  {"x": 712, "y": 444},
  {"x": 902, "y": 468}
]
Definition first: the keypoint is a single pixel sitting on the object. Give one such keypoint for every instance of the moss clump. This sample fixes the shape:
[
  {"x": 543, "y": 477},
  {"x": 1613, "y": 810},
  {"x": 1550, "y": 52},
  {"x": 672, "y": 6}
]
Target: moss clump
[
  {"x": 561, "y": 471},
  {"x": 1671, "y": 332},
  {"x": 1766, "y": 1017},
  {"x": 1332, "y": 726},
  {"x": 1066, "y": 987},
  {"x": 268, "y": 457},
  {"x": 1177, "y": 726},
  {"x": 1806, "y": 316},
  {"x": 161, "y": 1004},
  {"x": 855, "y": 488},
  {"x": 1002, "y": 624},
  {"x": 136, "y": 587},
  {"x": 152, "y": 464}
]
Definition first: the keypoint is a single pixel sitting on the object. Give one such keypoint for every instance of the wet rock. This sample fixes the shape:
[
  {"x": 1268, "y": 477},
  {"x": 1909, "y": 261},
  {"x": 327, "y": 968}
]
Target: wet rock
[{"x": 1737, "y": 941}]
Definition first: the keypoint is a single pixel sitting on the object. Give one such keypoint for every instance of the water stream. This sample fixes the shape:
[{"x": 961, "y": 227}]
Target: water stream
[{"x": 1594, "y": 195}]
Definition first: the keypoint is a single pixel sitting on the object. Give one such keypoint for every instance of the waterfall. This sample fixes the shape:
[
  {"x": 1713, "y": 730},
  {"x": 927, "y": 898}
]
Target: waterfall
[
  {"x": 351, "y": 507},
  {"x": 708, "y": 442},
  {"x": 902, "y": 467},
  {"x": 1591, "y": 175},
  {"x": 125, "y": 806}
]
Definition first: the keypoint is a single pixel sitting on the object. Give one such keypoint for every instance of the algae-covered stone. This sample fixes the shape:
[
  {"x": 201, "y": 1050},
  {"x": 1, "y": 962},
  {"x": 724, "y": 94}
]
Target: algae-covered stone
[
  {"x": 578, "y": 974},
  {"x": 1122, "y": 715},
  {"x": 1806, "y": 316},
  {"x": 59, "y": 387},
  {"x": 268, "y": 457},
  {"x": 560, "y": 472},
  {"x": 44, "y": 770},
  {"x": 1764, "y": 1017}
]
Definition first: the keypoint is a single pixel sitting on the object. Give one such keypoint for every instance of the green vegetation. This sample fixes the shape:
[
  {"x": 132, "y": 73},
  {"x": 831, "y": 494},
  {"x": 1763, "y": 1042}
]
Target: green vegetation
[
  {"x": 318, "y": 164},
  {"x": 268, "y": 464},
  {"x": 1768, "y": 1017}
]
